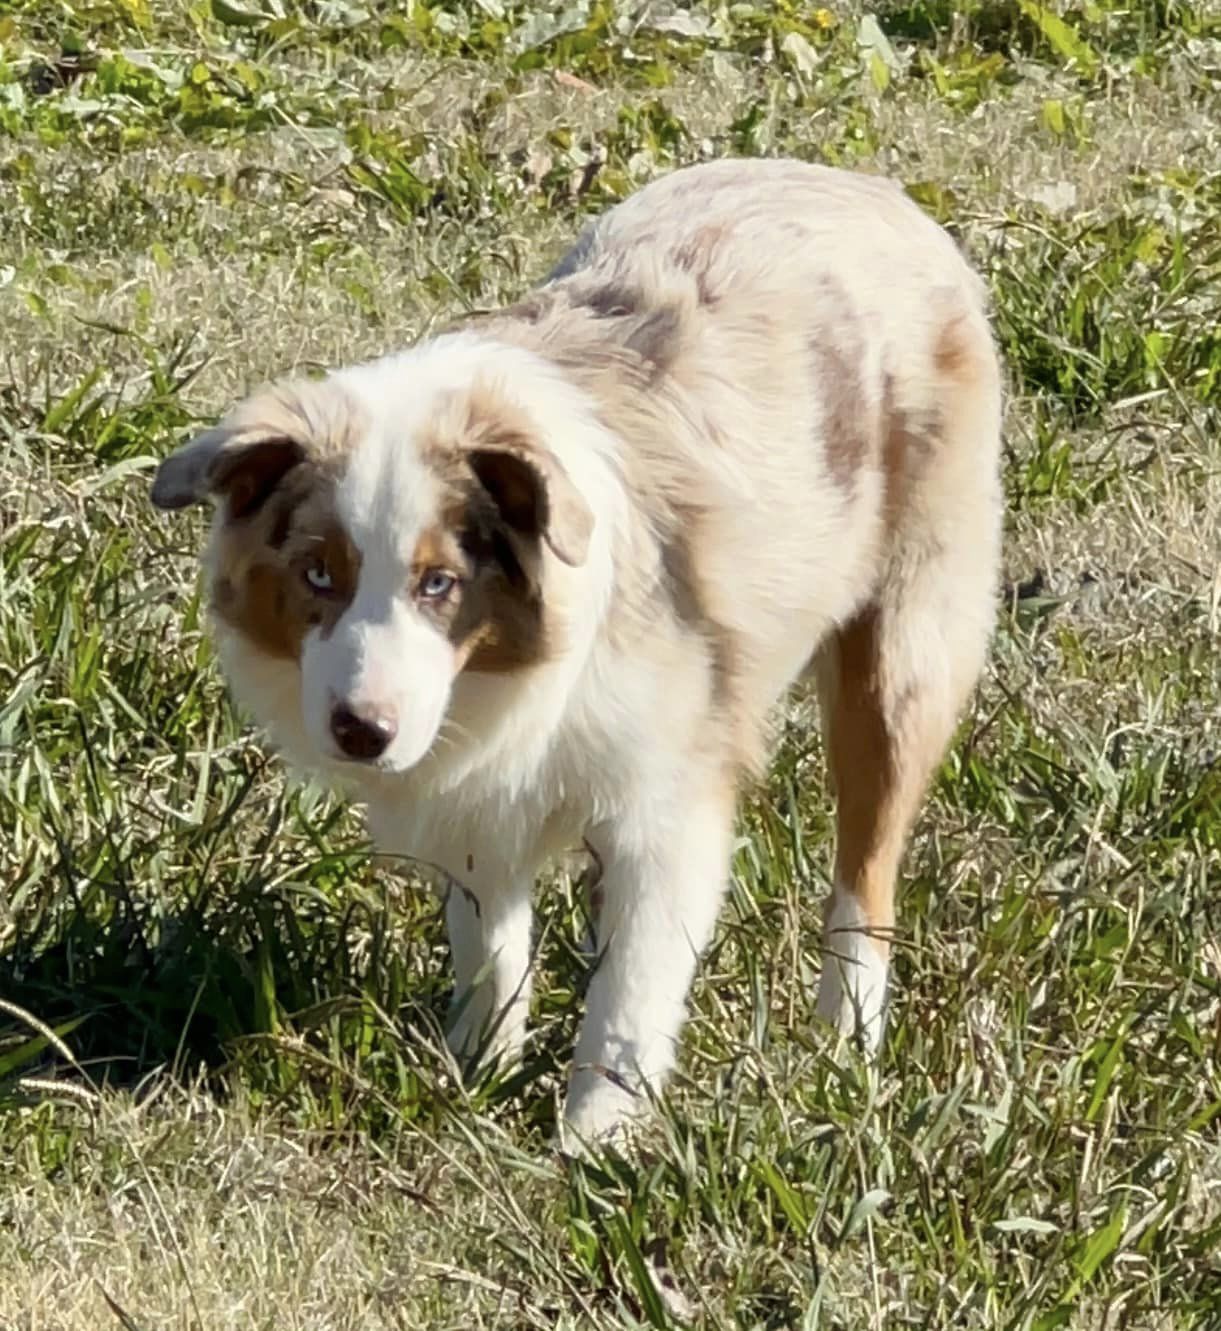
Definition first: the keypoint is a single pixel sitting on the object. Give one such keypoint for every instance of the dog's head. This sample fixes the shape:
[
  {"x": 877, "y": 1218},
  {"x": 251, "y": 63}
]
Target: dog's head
[{"x": 374, "y": 545}]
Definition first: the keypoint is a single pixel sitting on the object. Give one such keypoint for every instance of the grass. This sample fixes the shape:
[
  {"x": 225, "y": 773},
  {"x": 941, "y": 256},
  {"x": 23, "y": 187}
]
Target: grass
[{"x": 223, "y": 1097}]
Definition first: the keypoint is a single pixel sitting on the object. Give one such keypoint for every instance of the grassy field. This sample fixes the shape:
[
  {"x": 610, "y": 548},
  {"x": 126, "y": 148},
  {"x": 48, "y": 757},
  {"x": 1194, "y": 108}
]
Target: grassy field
[{"x": 224, "y": 1101}]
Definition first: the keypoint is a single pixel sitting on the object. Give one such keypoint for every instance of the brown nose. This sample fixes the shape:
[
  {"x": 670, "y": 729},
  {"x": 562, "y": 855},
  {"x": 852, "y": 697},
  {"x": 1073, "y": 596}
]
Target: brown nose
[{"x": 362, "y": 733}]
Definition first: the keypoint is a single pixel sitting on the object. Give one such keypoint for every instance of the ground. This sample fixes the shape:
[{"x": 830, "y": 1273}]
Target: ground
[{"x": 224, "y": 1100}]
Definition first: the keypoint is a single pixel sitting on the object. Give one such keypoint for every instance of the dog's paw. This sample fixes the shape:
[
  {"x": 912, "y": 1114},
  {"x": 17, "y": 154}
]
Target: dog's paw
[
  {"x": 852, "y": 990},
  {"x": 602, "y": 1110}
]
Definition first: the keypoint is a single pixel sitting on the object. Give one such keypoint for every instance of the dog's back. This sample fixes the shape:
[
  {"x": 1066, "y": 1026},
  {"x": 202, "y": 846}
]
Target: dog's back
[{"x": 799, "y": 364}]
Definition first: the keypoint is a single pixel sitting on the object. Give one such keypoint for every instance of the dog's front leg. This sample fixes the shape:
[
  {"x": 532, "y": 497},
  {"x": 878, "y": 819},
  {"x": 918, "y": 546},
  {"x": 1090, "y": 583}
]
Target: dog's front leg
[
  {"x": 488, "y": 914},
  {"x": 665, "y": 866}
]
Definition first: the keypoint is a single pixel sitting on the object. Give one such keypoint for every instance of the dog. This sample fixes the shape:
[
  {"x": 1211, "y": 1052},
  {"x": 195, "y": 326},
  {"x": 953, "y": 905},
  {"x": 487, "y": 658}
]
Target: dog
[{"x": 544, "y": 578}]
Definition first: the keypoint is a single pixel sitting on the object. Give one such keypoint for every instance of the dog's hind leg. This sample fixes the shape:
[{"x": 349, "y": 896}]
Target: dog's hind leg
[
  {"x": 880, "y": 753},
  {"x": 893, "y": 680}
]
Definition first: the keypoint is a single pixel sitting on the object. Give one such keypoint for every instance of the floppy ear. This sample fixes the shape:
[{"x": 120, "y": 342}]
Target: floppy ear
[
  {"x": 535, "y": 496},
  {"x": 244, "y": 466}
]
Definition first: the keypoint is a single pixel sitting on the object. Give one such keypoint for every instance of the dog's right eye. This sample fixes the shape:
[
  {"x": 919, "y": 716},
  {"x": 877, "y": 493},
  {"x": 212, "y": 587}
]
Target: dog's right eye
[{"x": 319, "y": 577}]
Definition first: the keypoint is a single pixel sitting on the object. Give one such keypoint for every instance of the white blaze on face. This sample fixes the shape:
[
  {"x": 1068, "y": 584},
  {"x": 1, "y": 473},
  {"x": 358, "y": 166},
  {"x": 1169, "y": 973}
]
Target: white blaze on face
[{"x": 384, "y": 658}]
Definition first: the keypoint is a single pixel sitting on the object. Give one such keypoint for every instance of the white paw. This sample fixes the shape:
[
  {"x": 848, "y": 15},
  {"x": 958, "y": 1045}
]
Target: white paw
[
  {"x": 852, "y": 991},
  {"x": 601, "y": 1109}
]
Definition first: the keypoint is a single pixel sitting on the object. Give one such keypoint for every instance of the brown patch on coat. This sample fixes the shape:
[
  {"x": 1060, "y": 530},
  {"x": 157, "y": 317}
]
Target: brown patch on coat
[
  {"x": 837, "y": 353},
  {"x": 954, "y": 352},
  {"x": 681, "y": 584},
  {"x": 909, "y": 442},
  {"x": 696, "y": 255},
  {"x": 656, "y": 337},
  {"x": 594, "y": 319},
  {"x": 882, "y": 748},
  {"x": 530, "y": 309},
  {"x": 627, "y": 317},
  {"x": 613, "y": 300},
  {"x": 261, "y": 560}
]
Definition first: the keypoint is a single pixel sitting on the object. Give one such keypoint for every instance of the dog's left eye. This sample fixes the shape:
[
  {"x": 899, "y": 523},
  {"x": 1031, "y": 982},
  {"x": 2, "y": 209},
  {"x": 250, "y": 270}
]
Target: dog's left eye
[
  {"x": 319, "y": 577},
  {"x": 436, "y": 583}
]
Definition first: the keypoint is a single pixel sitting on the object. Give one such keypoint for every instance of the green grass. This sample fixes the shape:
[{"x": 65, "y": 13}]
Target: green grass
[{"x": 224, "y": 1101}]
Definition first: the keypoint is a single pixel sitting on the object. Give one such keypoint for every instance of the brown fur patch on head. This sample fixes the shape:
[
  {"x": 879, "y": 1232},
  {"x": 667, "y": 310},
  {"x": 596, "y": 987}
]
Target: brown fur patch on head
[
  {"x": 277, "y": 521},
  {"x": 493, "y": 617},
  {"x": 261, "y": 562},
  {"x": 440, "y": 547},
  {"x": 503, "y": 495},
  {"x": 241, "y": 460},
  {"x": 479, "y": 433},
  {"x": 499, "y": 626}
]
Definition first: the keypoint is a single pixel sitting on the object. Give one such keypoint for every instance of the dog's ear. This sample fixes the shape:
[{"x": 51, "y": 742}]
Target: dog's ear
[
  {"x": 534, "y": 494},
  {"x": 246, "y": 456},
  {"x": 241, "y": 465}
]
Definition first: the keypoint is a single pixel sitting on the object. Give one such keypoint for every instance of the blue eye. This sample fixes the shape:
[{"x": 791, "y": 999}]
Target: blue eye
[
  {"x": 436, "y": 584},
  {"x": 319, "y": 578}
]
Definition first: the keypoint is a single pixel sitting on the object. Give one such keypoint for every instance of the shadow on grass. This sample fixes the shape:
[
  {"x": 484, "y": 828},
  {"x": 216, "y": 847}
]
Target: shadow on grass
[
  {"x": 318, "y": 983},
  {"x": 289, "y": 971}
]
